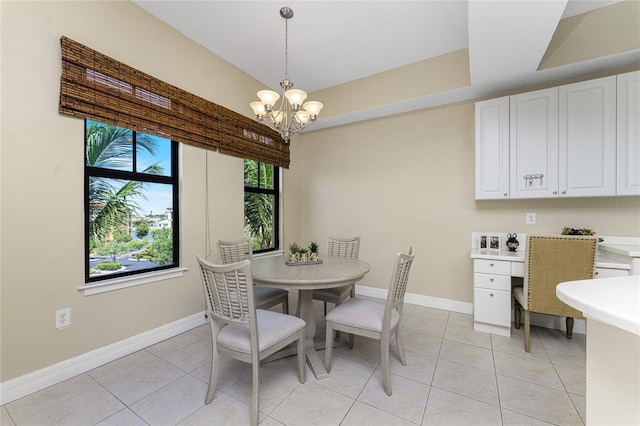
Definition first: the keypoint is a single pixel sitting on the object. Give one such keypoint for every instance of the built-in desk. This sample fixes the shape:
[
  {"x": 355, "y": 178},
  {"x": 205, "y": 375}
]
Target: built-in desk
[{"x": 495, "y": 270}]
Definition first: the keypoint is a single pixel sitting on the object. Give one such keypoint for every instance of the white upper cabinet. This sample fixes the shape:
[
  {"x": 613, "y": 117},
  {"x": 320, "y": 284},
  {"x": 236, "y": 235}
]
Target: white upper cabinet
[
  {"x": 587, "y": 138},
  {"x": 575, "y": 140},
  {"x": 492, "y": 149},
  {"x": 628, "y": 134},
  {"x": 533, "y": 144}
]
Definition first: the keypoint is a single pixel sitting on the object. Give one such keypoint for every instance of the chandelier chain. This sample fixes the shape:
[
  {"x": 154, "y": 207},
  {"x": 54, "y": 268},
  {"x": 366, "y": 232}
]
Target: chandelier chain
[{"x": 286, "y": 49}]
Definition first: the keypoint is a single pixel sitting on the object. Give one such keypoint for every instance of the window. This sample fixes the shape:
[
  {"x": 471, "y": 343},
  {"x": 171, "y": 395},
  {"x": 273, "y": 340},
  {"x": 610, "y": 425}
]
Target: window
[
  {"x": 131, "y": 202},
  {"x": 261, "y": 202}
]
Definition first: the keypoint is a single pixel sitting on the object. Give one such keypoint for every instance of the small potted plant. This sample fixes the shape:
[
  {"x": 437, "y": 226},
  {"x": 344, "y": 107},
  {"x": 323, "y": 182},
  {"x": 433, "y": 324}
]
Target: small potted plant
[
  {"x": 304, "y": 254},
  {"x": 294, "y": 252},
  {"x": 313, "y": 250}
]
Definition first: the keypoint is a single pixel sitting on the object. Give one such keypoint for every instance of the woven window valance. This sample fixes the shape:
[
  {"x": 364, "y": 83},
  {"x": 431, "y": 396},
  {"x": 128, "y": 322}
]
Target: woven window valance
[{"x": 100, "y": 88}]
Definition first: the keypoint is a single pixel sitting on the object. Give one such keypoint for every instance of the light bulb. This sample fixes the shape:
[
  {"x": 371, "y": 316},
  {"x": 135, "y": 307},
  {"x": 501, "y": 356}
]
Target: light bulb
[
  {"x": 268, "y": 97},
  {"x": 313, "y": 107},
  {"x": 295, "y": 96}
]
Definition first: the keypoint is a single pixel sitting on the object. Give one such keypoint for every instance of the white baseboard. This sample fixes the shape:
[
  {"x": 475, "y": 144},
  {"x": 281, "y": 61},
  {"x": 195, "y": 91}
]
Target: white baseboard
[
  {"x": 540, "y": 320},
  {"x": 557, "y": 323},
  {"x": 420, "y": 300},
  {"x": 19, "y": 387}
]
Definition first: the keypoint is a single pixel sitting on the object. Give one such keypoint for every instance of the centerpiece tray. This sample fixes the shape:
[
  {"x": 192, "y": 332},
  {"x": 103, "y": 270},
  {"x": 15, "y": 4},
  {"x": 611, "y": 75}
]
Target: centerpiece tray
[{"x": 308, "y": 262}]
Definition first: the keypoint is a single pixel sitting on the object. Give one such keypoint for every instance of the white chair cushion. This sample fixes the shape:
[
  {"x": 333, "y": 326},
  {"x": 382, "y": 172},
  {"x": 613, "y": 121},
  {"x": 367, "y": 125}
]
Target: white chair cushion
[
  {"x": 272, "y": 328},
  {"x": 333, "y": 292},
  {"x": 361, "y": 313},
  {"x": 267, "y": 294},
  {"x": 518, "y": 293}
]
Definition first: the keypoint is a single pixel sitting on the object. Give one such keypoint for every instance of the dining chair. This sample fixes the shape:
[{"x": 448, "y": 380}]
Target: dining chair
[
  {"x": 374, "y": 320},
  {"x": 241, "y": 331},
  {"x": 340, "y": 247},
  {"x": 551, "y": 260},
  {"x": 266, "y": 297}
]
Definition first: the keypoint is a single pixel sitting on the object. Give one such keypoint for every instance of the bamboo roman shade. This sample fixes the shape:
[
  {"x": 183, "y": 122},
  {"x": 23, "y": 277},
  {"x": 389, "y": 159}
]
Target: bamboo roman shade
[{"x": 97, "y": 87}]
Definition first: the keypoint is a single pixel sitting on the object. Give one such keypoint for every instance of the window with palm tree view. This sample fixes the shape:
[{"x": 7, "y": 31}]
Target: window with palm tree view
[
  {"x": 261, "y": 200},
  {"x": 131, "y": 202}
]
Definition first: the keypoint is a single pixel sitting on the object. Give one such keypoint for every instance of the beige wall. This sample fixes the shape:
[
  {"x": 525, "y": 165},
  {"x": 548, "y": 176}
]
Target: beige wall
[
  {"x": 42, "y": 242},
  {"x": 409, "y": 180},
  {"x": 396, "y": 181}
]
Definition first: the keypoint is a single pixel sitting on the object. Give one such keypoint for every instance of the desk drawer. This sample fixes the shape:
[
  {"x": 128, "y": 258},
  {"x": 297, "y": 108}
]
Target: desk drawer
[
  {"x": 498, "y": 267},
  {"x": 492, "y": 307},
  {"x": 517, "y": 269},
  {"x": 489, "y": 281}
]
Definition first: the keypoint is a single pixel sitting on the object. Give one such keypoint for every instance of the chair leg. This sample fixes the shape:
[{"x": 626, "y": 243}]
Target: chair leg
[
  {"x": 517, "y": 314},
  {"x": 255, "y": 410},
  {"x": 328, "y": 348},
  {"x": 325, "y": 309},
  {"x": 386, "y": 377},
  {"x": 403, "y": 359},
  {"x": 285, "y": 305},
  {"x": 569, "y": 327},
  {"x": 215, "y": 361},
  {"x": 527, "y": 331},
  {"x": 302, "y": 358},
  {"x": 213, "y": 376}
]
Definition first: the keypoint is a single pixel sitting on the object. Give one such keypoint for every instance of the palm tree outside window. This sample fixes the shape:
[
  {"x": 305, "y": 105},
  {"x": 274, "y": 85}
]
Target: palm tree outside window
[
  {"x": 131, "y": 202},
  {"x": 261, "y": 202}
]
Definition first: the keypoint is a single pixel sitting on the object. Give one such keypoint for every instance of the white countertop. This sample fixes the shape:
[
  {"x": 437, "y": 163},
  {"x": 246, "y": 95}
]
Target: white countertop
[
  {"x": 518, "y": 256},
  {"x": 630, "y": 250},
  {"x": 613, "y": 301}
]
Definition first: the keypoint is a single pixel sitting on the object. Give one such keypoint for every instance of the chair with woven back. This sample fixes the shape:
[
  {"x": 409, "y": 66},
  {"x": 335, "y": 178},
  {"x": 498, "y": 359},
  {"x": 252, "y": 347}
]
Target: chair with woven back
[
  {"x": 551, "y": 260},
  {"x": 375, "y": 320},
  {"x": 240, "y": 330},
  {"x": 266, "y": 297},
  {"x": 339, "y": 247}
]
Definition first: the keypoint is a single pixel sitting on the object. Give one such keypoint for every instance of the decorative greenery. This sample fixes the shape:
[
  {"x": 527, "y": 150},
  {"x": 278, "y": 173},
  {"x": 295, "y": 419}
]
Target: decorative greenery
[
  {"x": 580, "y": 231},
  {"x": 303, "y": 250},
  {"x": 313, "y": 247},
  {"x": 294, "y": 248}
]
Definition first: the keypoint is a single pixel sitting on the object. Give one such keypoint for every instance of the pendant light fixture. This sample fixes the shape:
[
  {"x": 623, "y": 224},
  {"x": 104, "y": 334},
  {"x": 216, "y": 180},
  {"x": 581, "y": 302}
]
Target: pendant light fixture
[{"x": 290, "y": 115}]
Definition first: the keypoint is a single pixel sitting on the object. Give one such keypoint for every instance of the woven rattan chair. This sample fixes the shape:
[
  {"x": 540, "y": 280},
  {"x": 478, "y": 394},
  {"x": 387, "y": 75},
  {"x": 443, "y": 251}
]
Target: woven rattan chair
[
  {"x": 240, "y": 330},
  {"x": 374, "y": 320},
  {"x": 266, "y": 297},
  {"x": 339, "y": 247},
  {"x": 551, "y": 260}
]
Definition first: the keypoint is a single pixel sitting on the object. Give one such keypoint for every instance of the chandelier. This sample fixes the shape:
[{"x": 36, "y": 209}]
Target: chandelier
[{"x": 290, "y": 115}]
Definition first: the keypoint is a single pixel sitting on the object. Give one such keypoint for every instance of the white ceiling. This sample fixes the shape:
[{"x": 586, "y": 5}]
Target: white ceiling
[{"x": 333, "y": 42}]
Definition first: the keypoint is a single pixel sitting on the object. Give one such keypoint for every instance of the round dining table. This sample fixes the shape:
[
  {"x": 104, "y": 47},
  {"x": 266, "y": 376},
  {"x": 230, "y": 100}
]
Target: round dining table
[{"x": 273, "y": 271}]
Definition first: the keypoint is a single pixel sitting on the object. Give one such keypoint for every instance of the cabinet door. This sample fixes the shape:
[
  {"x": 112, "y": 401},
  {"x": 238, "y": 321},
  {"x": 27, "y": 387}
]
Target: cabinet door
[
  {"x": 533, "y": 145},
  {"x": 587, "y": 138},
  {"x": 492, "y": 306},
  {"x": 492, "y": 149},
  {"x": 629, "y": 134}
]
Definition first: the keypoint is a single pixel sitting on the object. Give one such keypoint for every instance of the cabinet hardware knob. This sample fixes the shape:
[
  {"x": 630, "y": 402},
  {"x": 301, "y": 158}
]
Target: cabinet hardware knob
[
  {"x": 564, "y": 192},
  {"x": 597, "y": 272},
  {"x": 555, "y": 192},
  {"x": 505, "y": 194},
  {"x": 490, "y": 294},
  {"x": 491, "y": 264},
  {"x": 491, "y": 279}
]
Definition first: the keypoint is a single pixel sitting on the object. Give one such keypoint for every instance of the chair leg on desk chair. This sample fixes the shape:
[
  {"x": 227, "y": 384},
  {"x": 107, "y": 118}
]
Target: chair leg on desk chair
[
  {"x": 527, "y": 332},
  {"x": 569, "y": 327},
  {"x": 517, "y": 314}
]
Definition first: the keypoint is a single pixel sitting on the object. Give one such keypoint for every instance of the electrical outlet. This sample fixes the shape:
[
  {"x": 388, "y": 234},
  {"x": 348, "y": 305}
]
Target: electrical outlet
[
  {"x": 531, "y": 218},
  {"x": 63, "y": 318}
]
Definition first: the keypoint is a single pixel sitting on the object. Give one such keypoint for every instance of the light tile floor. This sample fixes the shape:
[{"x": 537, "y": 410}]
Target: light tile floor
[{"x": 454, "y": 376}]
